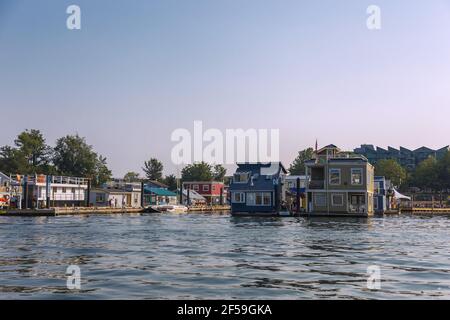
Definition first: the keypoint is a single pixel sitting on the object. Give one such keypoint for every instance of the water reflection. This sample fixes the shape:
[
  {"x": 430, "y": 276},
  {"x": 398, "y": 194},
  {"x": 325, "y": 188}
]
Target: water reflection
[{"x": 217, "y": 256}]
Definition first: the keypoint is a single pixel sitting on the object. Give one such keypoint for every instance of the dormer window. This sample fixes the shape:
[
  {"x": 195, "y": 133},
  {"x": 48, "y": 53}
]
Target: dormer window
[{"x": 241, "y": 177}]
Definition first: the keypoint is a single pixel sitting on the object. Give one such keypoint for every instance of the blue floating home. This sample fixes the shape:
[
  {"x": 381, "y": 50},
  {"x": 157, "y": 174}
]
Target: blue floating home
[
  {"x": 380, "y": 195},
  {"x": 257, "y": 189}
]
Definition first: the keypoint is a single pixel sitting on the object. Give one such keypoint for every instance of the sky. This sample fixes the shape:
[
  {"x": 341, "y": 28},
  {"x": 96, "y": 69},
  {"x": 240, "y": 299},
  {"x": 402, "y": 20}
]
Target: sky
[{"x": 138, "y": 70}]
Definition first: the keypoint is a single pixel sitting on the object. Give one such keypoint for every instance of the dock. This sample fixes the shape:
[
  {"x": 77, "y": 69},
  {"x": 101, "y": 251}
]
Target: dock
[{"x": 53, "y": 212}]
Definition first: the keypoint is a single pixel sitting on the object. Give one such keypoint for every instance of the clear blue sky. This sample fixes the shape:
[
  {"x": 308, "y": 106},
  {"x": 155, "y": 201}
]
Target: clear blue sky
[{"x": 137, "y": 70}]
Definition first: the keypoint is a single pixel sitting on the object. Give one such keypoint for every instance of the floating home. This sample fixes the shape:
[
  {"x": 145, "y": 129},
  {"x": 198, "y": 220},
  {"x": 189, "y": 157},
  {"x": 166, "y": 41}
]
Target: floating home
[
  {"x": 41, "y": 191},
  {"x": 257, "y": 189},
  {"x": 213, "y": 191},
  {"x": 340, "y": 184}
]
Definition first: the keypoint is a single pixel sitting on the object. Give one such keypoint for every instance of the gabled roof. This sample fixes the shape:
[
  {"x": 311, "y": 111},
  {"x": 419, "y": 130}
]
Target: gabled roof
[
  {"x": 253, "y": 166},
  {"x": 423, "y": 149}
]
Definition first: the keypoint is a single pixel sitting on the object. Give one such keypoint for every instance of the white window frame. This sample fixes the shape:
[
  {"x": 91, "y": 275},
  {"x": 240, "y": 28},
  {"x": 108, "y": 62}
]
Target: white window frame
[
  {"x": 241, "y": 200},
  {"x": 339, "y": 195},
  {"x": 329, "y": 176},
  {"x": 205, "y": 187},
  {"x": 248, "y": 198},
  {"x": 351, "y": 176},
  {"x": 195, "y": 187},
  {"x": 258, "y": 194}
]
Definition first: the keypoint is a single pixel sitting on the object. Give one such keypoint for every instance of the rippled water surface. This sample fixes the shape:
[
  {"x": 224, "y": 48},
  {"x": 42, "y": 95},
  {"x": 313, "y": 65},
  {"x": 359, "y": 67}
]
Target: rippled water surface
[{"x": 199, "y": 256}]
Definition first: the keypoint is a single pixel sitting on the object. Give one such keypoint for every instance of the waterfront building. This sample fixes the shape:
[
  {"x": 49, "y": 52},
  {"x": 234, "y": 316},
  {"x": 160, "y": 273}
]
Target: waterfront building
[
  {"x": 41, "y": 191},
  {"x": 212, "y": 191},
  {"x": 382, "y": 195},
  {"x": 159, "y": 196},
  {"x": 192, "y": 197},
  {"x": 405, "y": 157},
  {"x": 257, "y": 188},
  {"x": 117, "y": 193},
  {"x": 339, "y": 183},
  {"x": 290, "y": 185}
]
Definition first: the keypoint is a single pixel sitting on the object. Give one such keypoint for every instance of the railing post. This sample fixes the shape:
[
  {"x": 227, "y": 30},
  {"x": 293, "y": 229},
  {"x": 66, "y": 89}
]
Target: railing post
[{"x": 298, "y": 195}]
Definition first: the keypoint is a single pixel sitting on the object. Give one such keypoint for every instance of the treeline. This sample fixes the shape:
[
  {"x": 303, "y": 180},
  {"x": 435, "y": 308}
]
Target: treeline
[
  {"x": 202, "y": 171},
  {"x": 73, "y": 156},
  {"x": 431, "y": 174}
]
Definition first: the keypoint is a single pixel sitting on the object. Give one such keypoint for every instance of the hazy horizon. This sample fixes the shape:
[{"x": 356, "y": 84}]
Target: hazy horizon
[{"x": 137, "y": 71}]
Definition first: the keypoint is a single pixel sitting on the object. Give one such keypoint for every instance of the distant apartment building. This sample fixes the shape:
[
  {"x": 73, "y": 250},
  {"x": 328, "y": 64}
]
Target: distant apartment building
[
  {"x": 339, "y": 183},
  {"x": 406, "y": 157}
]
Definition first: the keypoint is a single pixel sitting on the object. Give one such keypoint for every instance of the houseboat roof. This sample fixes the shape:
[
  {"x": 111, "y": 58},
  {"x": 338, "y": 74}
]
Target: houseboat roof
[
  {"x": 255, "y": 165},
  {"x": 111, "y": 191},
  {"x": 159, "y": 191}
]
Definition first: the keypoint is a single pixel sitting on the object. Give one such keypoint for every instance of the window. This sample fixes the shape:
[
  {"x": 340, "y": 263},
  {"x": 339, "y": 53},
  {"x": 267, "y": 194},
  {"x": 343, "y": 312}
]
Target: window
[
  {"x": 213, "y": 188},
  {"x": 375, "y": 203},
  {"x": 267, "y": 201},
  {"x": 195, "y": 187},
  {"x": 238, "y": 197},
  {"x": 337, "y": 200},
  {"x": 335, "y": 176},
  {"x": 205, "y": 187},
  {"x": 73, "y": 190},
  {"x": 259, "y": 199},
  {"x": 241, "y": 177},
  {"x": 357, "y": 176},
  {"x": 100, "y": 197},
  {"x": 251, "y": 198},
  {"x": 63, "y": 190},
  {"x": 320, "y": 199}
]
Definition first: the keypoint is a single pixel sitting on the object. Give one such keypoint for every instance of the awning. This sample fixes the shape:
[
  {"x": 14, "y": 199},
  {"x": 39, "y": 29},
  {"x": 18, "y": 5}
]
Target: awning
[
  {"x": 159, "y": 192},
  {"x": 398, "y": 195}
]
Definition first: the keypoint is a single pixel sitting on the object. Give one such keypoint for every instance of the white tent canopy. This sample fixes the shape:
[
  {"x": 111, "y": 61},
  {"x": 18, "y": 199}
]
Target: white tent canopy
[{"x": 400, "y": 196}]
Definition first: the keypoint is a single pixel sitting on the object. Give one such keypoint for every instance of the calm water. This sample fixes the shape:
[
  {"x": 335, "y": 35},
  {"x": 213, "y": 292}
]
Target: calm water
[{"x": 217, "y": 256}]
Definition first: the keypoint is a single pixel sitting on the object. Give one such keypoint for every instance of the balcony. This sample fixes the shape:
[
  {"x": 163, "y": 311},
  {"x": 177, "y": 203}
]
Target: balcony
[{"x": 316, "y": 184}]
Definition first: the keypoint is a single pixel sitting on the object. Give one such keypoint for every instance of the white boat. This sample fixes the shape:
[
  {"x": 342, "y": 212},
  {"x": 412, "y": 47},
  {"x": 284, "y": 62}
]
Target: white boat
[{"x": 170, "y": 208}]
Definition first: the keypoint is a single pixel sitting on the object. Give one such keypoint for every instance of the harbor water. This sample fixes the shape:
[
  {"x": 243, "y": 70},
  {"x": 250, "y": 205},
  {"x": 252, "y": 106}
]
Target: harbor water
[{"x": 217, "y": 256}]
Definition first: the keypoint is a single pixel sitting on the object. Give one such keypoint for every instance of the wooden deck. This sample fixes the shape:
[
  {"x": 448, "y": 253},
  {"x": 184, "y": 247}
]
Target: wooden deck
[{"x": 52, "y": 212}]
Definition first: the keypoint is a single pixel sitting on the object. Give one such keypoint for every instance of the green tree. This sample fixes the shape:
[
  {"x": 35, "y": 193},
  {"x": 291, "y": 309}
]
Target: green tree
[
  {"x": 11, "y": 161},
  {"x": 153, "y": 169},
  {"x": 219, "y": 172},
  {"x": 74, "y": 157},
  {"x": 297, "y": 167},
  {"x": 200, "y": 171},
  {"x": 32, "y": 146},
  {"x": 29, "y": 155},
  {"x": 171, "y": 182},
  {"x": 426, "y": 175},
  {"x": 444, "y": 171},
  {"x": 392, "y": 170},
  {"x": 131, "y": 176}
]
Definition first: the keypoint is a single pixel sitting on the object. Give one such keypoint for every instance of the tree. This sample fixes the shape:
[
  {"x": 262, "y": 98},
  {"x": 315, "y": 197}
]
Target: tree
[
  {"x": 153, "y": 169},
  {"x": 74, "y": 157},
  {"x": 11, "y": 160},
  {"x": 171, "y": 182},
  {"x": 30, "y": 155},
  {"x": 219, "y": 172},
  {"x": 426, "y": 174},
  {"x": 32, "y": 146},
  {"x": 102, "y": 173},
  {"x": 443, "y": 167},
  {"x": 392, "y": 170},
  {"x": 200, "y": 171},
  {"x": 131, "y": 176},
  {"x": 297, "y": 167}
]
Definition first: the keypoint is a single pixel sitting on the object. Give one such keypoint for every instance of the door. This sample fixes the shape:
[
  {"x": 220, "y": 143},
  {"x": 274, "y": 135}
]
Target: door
[{"x": 357, "y": 203}]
